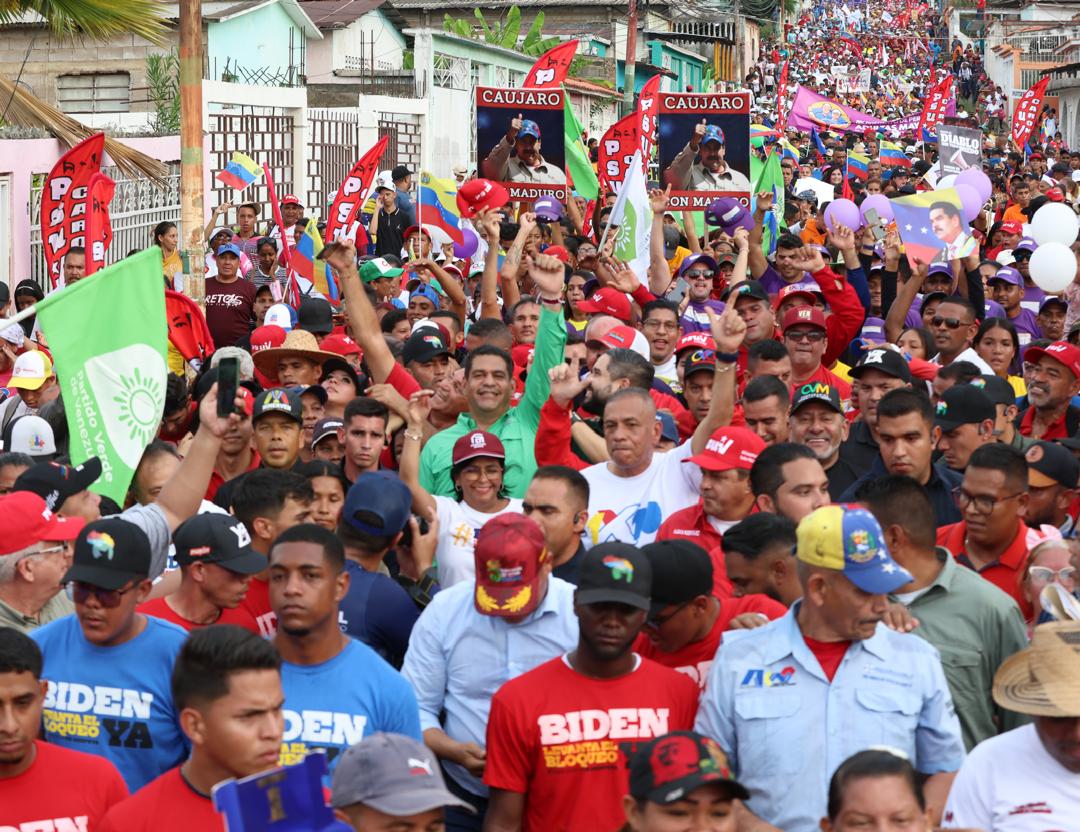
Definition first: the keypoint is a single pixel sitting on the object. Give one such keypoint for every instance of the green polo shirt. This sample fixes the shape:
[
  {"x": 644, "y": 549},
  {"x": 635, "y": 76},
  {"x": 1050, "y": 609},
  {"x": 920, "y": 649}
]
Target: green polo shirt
[
  {"x": 516, "y": 428},
  {"x": 975, "y": 626},
  {"x": 56, "y": 607}
]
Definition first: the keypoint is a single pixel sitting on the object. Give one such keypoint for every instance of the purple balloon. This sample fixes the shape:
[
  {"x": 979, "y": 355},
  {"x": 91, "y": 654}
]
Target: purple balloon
[
  {"x": 879, "y": 203},
  {"x": 970, "y": 202},
  {"x": 976, "y": 179},
  {"x": 467, "y": 247},
  {"x": 842, "y": 212}
]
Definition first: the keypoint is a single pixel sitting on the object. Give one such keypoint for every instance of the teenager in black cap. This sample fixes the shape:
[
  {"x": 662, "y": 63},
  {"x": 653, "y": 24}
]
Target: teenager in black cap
[
  {"x": 966, "y": 417},
  {"x": 877, "y": 372}
]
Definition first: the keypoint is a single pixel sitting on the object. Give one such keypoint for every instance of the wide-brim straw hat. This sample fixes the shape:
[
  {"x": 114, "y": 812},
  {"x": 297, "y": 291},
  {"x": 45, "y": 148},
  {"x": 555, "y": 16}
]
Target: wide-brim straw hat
[
  {"x": 298, "y": 342},
  {"x": 1044, "y": 678}
]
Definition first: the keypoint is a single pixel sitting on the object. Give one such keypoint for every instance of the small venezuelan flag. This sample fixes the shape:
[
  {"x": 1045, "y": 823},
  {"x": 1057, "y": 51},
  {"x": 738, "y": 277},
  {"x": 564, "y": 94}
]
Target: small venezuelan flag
[
  {"x": 306, "y": 265},
  {"x": 892, "y": 155},
  {"x": 857, "y": 165},
  {"x": 240, "y": 172},
  {"x": 438, "y": 205},
  {"x": 789, "y": 151}
]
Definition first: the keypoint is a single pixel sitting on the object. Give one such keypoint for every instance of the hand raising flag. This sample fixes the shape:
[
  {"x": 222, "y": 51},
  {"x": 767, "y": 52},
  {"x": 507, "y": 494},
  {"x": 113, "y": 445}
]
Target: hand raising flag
[{"x": 240, "y": 172}]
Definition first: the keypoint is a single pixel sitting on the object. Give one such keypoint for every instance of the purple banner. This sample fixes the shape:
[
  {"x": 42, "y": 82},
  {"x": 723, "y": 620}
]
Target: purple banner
[{"x": 810, "y": 110}]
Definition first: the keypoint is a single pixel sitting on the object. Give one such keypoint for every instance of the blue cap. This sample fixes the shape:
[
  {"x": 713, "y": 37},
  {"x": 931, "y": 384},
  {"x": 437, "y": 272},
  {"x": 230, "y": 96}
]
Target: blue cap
[
  {"x": 848, "y": 539},
  {"x": 425, "y": 291},
  {"x": 695, "y": 260},
  {"x": 713, "y": 134},
  {"x": 668, "y": 429},
  {"x": 1025, "y": 244},
  {"x": 229, "y": 248},
  {"x": 378, "y": 503},
  {"x": 940, "y": 268},
  {"x": 529, "y": 128}
]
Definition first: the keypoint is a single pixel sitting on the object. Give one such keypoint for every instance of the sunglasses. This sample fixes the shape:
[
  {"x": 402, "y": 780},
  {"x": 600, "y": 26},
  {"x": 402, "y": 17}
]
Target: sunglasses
[
  {"x": 693, "y": 275},
  {"x": 1045, "y": 574},
  {"x": 951, "y": 323},
  {"x": 108, "y": 598},
  {"x": 811, "y": 335}
]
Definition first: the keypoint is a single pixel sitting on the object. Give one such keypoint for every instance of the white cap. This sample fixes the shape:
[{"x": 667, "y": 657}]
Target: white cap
[
  {"x": 13, "y": 334},
  {"x": 32, "y": 435},
  {"x": 246, "y": 364},
  {"x": 279, "y": 315}
]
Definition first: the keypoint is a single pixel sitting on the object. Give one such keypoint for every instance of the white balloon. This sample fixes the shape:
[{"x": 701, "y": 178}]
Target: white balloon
[
  {"x": 946, "y": 181},
  {"x": 1055, "y": 222},
  {"x": 1053, "y": 266}
]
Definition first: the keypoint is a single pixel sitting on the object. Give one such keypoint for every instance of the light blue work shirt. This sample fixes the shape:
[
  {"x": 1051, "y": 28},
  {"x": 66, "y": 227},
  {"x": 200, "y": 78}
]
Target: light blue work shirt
[
  {"x": 786, "y": 729},
  {"x": 458, "y": 658}
]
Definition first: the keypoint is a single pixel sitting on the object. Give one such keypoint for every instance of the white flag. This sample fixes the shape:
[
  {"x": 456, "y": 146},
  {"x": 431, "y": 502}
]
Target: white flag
[{"x": 632, "y": 213}]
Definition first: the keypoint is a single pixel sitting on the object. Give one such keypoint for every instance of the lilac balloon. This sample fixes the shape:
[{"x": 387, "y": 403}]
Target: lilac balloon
[
  {"x": 879, "y": 203},
  {"x": 467, "y": 247},
  {"x": 970, "y": 202},
  {"x": 976, "y": 179},
  {"x": 842, "y": 212}
]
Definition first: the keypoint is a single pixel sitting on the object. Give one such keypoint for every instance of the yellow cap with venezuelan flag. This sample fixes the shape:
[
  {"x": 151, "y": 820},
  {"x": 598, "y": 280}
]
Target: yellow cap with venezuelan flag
[{"x": 848, "y": 539}]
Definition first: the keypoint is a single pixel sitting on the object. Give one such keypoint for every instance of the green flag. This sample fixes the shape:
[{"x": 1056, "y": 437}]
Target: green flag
[
  {"x": 769, "y": 176},
  {"x": 108, "y": 335},
  {"x": 632, "y": 213},
  {"x": 577, "y": 158}
]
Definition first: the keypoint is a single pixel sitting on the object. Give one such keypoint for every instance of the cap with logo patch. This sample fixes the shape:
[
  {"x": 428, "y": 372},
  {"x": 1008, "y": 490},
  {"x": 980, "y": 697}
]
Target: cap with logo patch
[
  {"x": 963, "y": 404},
  {"x": 699, "y": 360},
  {"x": 608, "y": 301},
  {"x": 695, "y": 341},
  {"x": 810, "y": 293},
  {"x": 886, "y": 361},
  {"x": 729, "y": 448},
  {"x": 27, "y": 520},
  {"x": 1062, "y": 351},
  {"x": 325, "y": 428},
  {"x": 477, "y": 443},
  {"x": 378, "y": 267},
  {"x": 54, "y": 482},
  {"x": 31, "y": 435},
  {"x": 848, "y": 539},
  {"x": 804, "y": 316},
  {"x": 1051, "y": 464},
  {"x": 666, "y": 769},
  {"x": 817, "y": 391},
  {"x": 31, "y": 370},
  {"x": 997, "y": 389},
  {"x": 425, "y": 345},
  {"x": 217, "y": 538},
  {"x": 509, "y": 554},
  {"x": 617, "y": 573},
  {"x": 110, "y": 553},
  {"x": 278, "y": 400}
]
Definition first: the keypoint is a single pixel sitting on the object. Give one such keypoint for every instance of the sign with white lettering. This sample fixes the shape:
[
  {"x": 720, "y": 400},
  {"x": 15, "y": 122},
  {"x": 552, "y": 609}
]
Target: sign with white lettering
[{"x": 519, "y": 138}]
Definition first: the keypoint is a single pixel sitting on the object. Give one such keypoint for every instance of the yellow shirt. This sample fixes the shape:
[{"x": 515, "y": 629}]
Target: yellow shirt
[
  {"x": 1018, "y": 385},
  {"x": 842, "y": 370},
  {"x": 681, "y": 253}
]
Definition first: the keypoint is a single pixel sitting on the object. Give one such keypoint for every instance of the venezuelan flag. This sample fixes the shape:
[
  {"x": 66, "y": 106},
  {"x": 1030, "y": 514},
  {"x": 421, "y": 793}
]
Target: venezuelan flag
[
  {"x": 438, "y": 205},
  {"x": 892, "y": 155},
  {"x": 857, "y": 165},
  {"x": 819, "y": 146},
  {"x": 305, "y": 264},
  {"x": 789, "y": 151},
  {"x": 240, "y": 172}
]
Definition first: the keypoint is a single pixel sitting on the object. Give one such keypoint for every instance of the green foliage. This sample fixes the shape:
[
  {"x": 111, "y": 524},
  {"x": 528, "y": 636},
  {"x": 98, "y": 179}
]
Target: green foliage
[
  {"x": 163, "y": 89},
  {"x": 97, "y": 19},
  {"x": 504, "y": 33}
]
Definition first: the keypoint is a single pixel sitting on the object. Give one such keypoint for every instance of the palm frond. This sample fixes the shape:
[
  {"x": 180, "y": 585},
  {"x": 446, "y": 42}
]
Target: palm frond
[{"x": 97, "y": 19}]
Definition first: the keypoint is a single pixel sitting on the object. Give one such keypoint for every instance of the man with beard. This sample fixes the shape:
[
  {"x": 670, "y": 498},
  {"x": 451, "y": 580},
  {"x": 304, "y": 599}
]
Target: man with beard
[
  {"x": 542, "y": 772},
  {"x": 711, "y": 172},
  {"x": 1055, "y": 379},
  {"x": 527, "y": 165},
  {"x": 817, "y": 421},
  {"x": 1053, "y": 475}
]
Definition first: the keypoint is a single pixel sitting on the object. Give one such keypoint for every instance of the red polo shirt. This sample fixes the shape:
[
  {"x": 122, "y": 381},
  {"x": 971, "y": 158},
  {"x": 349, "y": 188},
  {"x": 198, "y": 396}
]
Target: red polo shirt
[
  {"x": 1058, "y": 430},
  {"x": 823, "y": 375},
  {"x": 216, "y": 480},
  {"x": 693, "y": 524},
  {"x": 1005, "y": 573}
]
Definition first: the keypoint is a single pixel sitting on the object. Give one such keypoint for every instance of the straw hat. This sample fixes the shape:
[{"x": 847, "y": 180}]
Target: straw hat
[
  {"x": 298, "y": 342},
  {"x": 1044, "y": 678}
]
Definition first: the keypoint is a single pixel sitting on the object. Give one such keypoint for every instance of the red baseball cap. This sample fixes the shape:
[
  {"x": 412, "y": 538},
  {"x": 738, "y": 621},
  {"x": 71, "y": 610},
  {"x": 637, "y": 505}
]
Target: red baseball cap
[
  {"x": 477, "y": 194},
  {"x": 249, "y": 400},
  {"x": 477, "y": 443},
  {"x": 695, "y": 341},
  {"x": 799, "y": 290},
  {"x": 1012, "y": 227},
  {"x": 340, "y": 344},
  {"x": 509, "y": 554},
  {"x": 619, "y": 338},
  {"x": 291, "y": 199},
  {"x": 1055, "y": 195},
  {"x": 730, "y": 448},
  {"x": 28, "y": 520},
  {"x": 266, "y": 337},
  {"x": 558, "y": 252},
  {"x": 805, "y": 316},
  {"x": 609, "y": 302},
  {"x": 1061, "y": 351}
]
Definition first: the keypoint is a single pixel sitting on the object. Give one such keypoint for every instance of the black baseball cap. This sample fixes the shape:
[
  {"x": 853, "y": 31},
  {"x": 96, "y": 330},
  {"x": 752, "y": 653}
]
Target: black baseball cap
[
  {"x": 400, "y": 172},
  {"x": 699, "y": 360},
  {"x": 110, "y": 553},
  {"x": 279, "y": 400},
  {"x": 217, "y": 538},
  {"x": 816, "y": 392},
  {"x": 1051, "y": 464},
  {"x": 668, "y": 768},
  {"x": 328, "y": 426},
  {"x": 315, "y": 315},
  {"x": 424, "y": 345},
  {"x": 997, "y": 389},
  {"x": 747, "y": 289},
  {"x": 681, "y": 571},
  {"x": 54, "y": 482},
  {"x": 614, "y": 572},
  {"x": 885, "y": 361},
  {"x": 963, "y": 404}
]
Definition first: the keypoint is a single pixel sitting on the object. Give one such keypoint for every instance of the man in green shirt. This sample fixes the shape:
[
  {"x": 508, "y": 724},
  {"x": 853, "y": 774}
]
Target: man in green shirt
[
  {"x": 489, "y": 387},
  {"x": 973, "y": 624}
]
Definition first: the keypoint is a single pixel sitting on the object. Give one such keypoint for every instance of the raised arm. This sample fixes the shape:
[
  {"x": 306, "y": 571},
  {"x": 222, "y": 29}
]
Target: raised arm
[
  {"x": 489, "y": 281},
  {"x": 363, "y": 321},
  {"x": 762, "y": 206},
  {"x": 512, "y": 265},
  {"x": 409, "y": 463},
  {"x": 659, "y": 273},
  {"x": 728, "y": 331},
  {"x": 218, "y": 211}
]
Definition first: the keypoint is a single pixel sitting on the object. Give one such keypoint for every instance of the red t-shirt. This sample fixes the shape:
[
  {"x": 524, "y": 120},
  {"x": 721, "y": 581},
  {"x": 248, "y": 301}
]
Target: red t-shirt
[
  {"x": 166, "y": 804},
  {"x": 160, "y": 609},
  {"x": 823, "y": 375},
  {"x": 828, "y": 653},
  {"x": 229, "y": 310},
  {"x": 556, "y": 736},
  {"x": 256, "y": 605},
  {"x": 62, "y": 789},
  {"x": 695, "y": 658},
  {"x": 216, "y": 480}
]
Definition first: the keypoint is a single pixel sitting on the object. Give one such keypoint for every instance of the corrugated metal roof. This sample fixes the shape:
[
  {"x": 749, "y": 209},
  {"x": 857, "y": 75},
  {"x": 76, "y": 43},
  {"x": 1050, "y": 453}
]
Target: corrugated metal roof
[
  {"x": 500, "y": 4},
  {"x": 335, "y": 14}
]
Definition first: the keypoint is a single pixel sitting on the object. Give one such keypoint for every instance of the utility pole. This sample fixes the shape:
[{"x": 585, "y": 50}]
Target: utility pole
[
  {"x": 191, "y": 148},
  {"x": 631, "y": 59}
]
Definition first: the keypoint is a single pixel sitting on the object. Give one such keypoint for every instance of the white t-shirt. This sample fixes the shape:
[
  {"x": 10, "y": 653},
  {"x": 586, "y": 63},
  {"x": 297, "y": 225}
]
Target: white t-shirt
[
  {"x": 458, "y": 525},
  {"x": 1009, "y": 783},
  {"x": 667, "y": 373},
  {"x": 971, "y": 357},
  {"x": 631, "y": 509}
]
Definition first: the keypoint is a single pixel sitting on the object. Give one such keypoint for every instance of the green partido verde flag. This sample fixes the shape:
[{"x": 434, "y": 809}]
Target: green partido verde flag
[
  {"x": 108, "y": 336},
  {"x": 577, "y": 158},
  {"x": 633, "y": 215}
]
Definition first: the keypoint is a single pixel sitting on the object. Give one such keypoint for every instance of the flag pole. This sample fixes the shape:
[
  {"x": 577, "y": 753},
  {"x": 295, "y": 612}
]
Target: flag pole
[{"x": 28, "y": 312}]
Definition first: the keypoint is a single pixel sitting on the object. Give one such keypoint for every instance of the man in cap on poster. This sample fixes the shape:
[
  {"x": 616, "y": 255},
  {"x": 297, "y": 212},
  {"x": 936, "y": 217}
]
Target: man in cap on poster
[
  {"x": 710, "y": 172},
  {"x": 526, "y": 166}
]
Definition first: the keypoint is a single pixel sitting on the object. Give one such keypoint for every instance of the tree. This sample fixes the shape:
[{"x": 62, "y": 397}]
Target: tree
[
  {"x": 97, "y": 19},
  {"x": 504, "y": 33}
]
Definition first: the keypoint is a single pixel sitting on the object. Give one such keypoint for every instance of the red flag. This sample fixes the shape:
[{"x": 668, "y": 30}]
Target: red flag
[
  {"x": 781, "y": 97},
  {"x": 188, "y": 331},
  {"x": 353, "y": 191},
  {"x": 98, "y": 226},
  {"x": 616, "y": 152},
  {"x": 550, "y": 68},
  {"x": 845, "y": 190},
  {"x": 648, "y": 103},
  {"x": 63, "y": 200},
  {"x": 1027, "y": 112},
  {"x": 937, "y": 100},
  {"x": 286, "y": 253}
]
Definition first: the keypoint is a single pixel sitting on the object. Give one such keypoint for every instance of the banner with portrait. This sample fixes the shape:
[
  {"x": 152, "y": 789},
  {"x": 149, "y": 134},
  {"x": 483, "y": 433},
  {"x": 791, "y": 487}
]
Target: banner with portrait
[
  {"x": 520, "y": 141},
  {"x": 932, "y": 226}
]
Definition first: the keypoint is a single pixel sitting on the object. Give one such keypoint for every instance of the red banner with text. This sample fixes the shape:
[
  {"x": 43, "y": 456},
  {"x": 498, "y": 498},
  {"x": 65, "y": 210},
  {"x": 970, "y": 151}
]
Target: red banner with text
[
  {"x": 353, "y": 191},
  {"x": 648, "y": 106},
  {"x": 616, "y": 152},
  {"x": 98, "y": 225},
  {"x": 1027, "y": 113},
  {"x": 550, "y": 68},
  {"x": 937, "y": 101},
  {"x": 63, "y": 201}
]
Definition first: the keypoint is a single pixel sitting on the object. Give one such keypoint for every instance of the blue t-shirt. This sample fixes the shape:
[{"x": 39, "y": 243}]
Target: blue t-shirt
[
  {"x": 337, "y": 703},
  {"x": 378, "y": 612},
  {"x": 115, "y": 702}
]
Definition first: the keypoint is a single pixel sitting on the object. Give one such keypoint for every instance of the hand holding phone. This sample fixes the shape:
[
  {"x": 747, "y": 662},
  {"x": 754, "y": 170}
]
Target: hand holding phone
[{"x": 228, "y": 382}]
